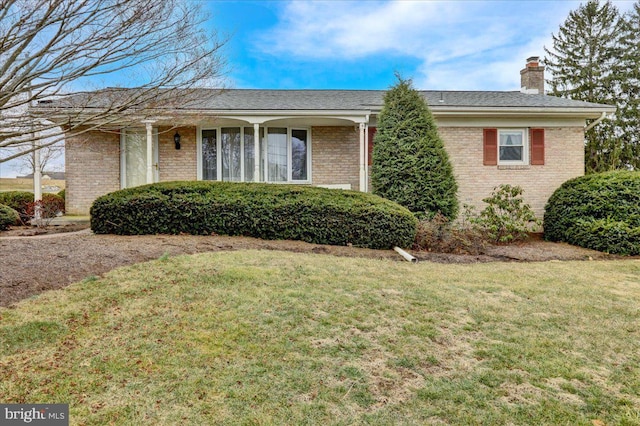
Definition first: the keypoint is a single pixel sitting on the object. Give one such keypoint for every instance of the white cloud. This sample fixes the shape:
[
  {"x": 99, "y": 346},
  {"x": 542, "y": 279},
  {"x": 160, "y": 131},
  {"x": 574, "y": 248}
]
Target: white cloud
[{"x": 465, "y": 45}]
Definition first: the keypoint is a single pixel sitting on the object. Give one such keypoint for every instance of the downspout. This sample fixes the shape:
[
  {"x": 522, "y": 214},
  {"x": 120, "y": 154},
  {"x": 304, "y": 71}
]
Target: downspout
[
  {"x": 405, "y": 255},
  {"x": 366, "y": 154},
  {"x": 363, "y": 171},
  {"x": 592, "y": 125}
]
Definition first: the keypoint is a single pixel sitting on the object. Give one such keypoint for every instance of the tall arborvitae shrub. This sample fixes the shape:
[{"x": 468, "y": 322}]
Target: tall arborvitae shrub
[{"x": 410, "y": 165}]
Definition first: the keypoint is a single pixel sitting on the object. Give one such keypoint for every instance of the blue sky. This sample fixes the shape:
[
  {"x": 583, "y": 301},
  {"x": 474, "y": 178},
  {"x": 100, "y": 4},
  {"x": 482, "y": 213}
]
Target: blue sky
[{"x": 445, "y": 45}]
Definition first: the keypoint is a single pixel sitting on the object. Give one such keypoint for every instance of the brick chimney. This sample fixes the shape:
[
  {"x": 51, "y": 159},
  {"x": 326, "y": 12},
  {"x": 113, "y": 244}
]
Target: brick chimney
[{"x": 532, "y": 77}]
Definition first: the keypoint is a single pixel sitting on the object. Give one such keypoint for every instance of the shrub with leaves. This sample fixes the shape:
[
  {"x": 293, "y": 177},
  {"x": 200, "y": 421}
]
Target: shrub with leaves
[
  {"x": 600, "y": 211},
  {"x": 52, "y": 204},
  {"x": 410, "y": 165},
  {"x": 8, "y": 217},
  {"x": 267, "y": 211},
  {"x": 50, "y": 207},
  {"x": 506, "y": 218}
]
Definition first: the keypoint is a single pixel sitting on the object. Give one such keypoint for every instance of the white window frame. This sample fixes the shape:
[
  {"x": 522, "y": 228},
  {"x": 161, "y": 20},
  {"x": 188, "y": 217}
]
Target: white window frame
[
  {"x": 258, "y": 156},
  {"x": 525, "y": 147}
]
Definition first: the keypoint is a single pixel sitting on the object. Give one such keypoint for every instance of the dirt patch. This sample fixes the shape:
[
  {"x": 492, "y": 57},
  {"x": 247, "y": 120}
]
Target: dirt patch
[
  {"x": 31, "y": 231},
  {"x": 33, "y": 264}
]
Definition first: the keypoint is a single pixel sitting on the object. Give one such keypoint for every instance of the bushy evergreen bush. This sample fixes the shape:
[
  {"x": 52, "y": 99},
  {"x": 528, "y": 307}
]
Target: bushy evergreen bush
[
  {"x": 23, "y": 203},
  {"x": 410, "y": 165},
  {"x": 8, "y": 217},
  {"x": 599, "y": 211},
  {"x": 267, "y": 211},
  {"x": 16, "y": 199},
  {"x": 19, "y": 201},
  {"x": 63, "y": 194}
]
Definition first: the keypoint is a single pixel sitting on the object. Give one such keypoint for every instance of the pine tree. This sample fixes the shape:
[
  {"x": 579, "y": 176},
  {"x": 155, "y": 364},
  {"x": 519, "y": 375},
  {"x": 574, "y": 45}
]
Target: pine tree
[
  {"x": 628, "y": 72},
  {"x": 582, "y": 62},
  {"x": 410, "y": 164}
]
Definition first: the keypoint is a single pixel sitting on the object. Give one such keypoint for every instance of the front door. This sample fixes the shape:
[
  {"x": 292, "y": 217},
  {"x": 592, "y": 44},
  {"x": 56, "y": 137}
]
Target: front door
[{"x": 134, "y": 157}]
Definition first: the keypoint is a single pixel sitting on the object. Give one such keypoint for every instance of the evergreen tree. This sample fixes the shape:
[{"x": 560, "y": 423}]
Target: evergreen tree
[
  {"x": 582, "y": 62},
  {"x": 410, "y": 164},
  {"x": 628, "y": 72}
]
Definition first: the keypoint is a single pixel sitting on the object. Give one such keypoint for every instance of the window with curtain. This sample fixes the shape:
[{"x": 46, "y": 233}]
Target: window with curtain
[
  {"x": 298, "y": 154},
  {"x": 209, "y": 155},
  {"x": 511, "y": 146},
  {"x": 230, "y": 148},
  {"x": 277, "y": 165},
  {"x": 228, "y": 153}
]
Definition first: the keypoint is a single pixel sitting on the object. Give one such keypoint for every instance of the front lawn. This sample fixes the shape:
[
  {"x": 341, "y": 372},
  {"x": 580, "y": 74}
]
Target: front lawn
[{"x": 257, "y": 337}]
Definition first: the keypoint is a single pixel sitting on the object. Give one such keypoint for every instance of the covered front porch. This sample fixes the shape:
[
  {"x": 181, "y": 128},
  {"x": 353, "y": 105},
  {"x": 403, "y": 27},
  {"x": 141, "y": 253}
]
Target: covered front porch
[{"x": 329, "y": 151}]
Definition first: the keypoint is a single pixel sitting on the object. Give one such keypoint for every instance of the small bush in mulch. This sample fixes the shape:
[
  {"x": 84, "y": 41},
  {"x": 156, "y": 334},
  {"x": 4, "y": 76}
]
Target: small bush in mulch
[
  {"x": 600, "y": 211},
  {"x": 8, "y": 217},
  {"x": 267, "y": 211},
  {"x": 438, "y": 234},
  {"x": 506, "y": 218},
  {"x": 52, "y": 205}
]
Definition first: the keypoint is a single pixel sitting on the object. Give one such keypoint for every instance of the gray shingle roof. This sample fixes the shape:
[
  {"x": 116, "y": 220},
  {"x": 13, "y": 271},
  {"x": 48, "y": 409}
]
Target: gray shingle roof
[
  {"x": 325, "y": 100},
  {"x": 250, "y": 99}
]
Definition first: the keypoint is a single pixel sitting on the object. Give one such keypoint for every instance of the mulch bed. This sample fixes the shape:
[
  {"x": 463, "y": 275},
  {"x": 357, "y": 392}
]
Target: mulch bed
[{"x": 33, "y": 262}]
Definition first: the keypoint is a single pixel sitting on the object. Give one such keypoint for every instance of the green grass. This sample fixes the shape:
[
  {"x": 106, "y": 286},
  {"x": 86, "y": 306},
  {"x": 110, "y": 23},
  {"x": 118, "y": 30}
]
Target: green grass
[{"x": 265, "y": 338}]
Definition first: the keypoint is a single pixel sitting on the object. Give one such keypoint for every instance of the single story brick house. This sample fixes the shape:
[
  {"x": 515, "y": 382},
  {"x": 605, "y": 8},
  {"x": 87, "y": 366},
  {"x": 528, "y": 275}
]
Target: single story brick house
[{"x": 324, "y": 138}]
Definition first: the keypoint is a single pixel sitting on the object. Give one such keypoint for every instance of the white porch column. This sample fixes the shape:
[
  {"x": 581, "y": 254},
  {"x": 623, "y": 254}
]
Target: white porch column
[
  {"x": 256, "y": 152},
  {"x": 37, "y": 180},
  {"x": 148, "y": 124},
  {"x": 363, "y": 164}
]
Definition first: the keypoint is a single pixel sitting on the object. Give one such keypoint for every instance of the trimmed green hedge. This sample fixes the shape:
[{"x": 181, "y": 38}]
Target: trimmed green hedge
[
  {"x": 600, "y": 211},
  {"x": 8, "y": 217},
  {"x": 19, "y": 201},
  {"x": 22, "y": 202},
  {"x": 267, "y": 211}
]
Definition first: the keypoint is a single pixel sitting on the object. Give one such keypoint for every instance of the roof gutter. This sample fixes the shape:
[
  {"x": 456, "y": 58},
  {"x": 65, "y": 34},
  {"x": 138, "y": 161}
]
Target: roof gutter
[{"x": 595, "y": 122}]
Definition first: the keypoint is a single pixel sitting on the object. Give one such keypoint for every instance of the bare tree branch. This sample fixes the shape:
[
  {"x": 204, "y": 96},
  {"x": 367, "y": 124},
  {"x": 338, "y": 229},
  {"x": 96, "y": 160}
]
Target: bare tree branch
[{"x": 50, "y": 48}]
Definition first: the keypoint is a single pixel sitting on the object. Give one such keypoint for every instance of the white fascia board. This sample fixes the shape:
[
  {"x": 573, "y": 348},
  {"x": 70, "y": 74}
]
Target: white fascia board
[
  {"x": 583, "y": 113},
  {"x": 509, "y": 121}
]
